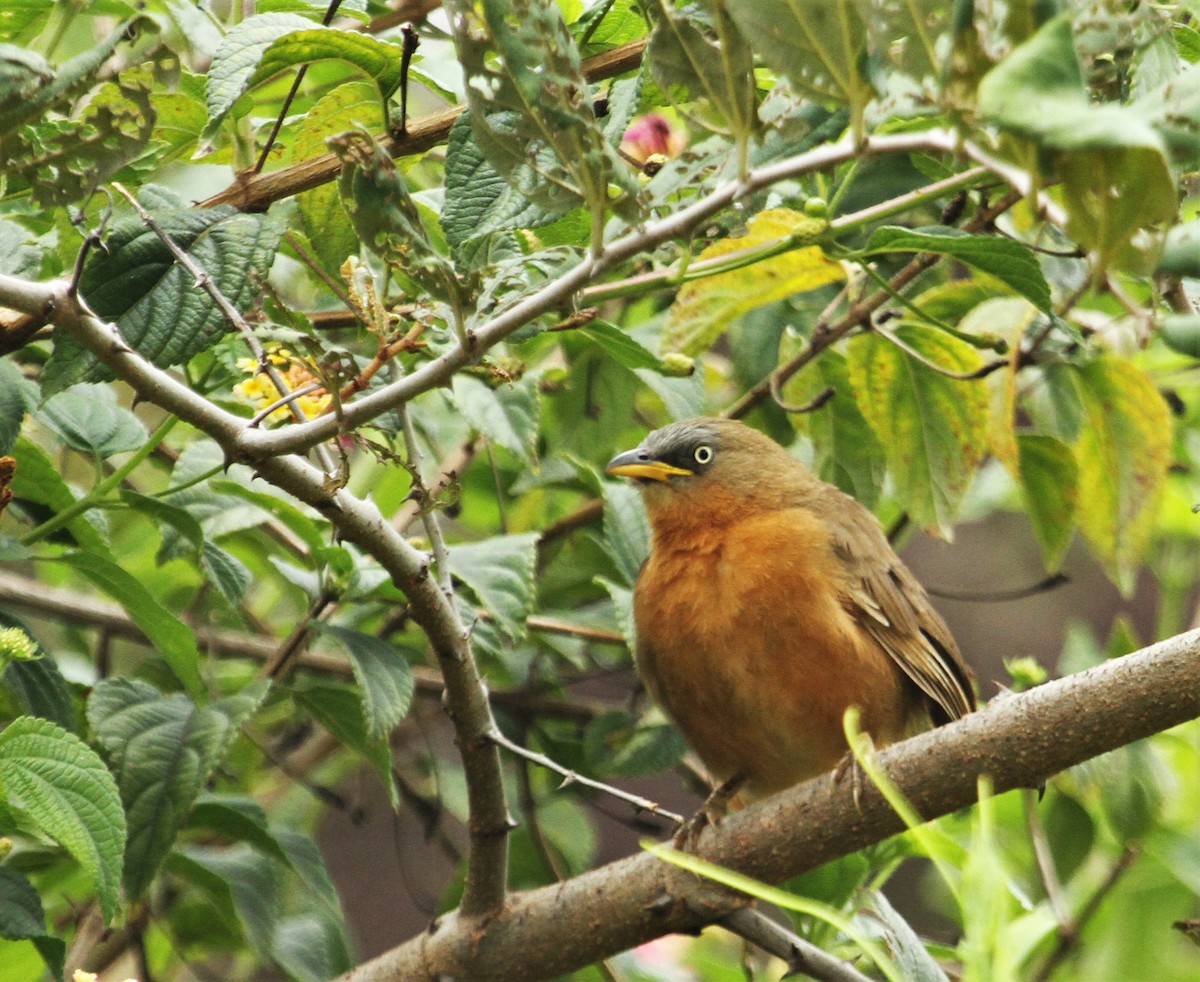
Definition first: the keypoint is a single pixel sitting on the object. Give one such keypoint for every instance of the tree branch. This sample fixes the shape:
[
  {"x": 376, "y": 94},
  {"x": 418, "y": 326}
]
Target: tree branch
[
  {"x": 1020, "y": 741},
  {"x": 358, "y": 521}
]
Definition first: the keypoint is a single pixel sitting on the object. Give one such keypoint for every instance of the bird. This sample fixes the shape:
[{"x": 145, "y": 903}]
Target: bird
[{"x": 770, "y": 602}]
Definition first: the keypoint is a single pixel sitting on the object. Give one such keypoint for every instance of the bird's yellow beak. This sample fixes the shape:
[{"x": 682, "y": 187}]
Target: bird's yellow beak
[{"x": 639, "y": 464}]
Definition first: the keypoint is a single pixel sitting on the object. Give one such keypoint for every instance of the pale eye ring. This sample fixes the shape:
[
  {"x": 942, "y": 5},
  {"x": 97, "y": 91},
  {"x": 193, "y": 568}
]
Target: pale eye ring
[{"x": 703, "y": 454}]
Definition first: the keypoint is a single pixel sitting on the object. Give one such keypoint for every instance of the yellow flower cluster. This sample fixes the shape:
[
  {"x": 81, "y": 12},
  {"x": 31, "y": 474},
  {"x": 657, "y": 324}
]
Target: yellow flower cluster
[{"x": 296, "y": 372}]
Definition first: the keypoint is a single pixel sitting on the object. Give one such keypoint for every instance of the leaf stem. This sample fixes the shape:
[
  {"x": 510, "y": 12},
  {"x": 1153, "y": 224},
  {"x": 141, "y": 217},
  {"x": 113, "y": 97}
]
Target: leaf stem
[{"x": 93, "y": 498}]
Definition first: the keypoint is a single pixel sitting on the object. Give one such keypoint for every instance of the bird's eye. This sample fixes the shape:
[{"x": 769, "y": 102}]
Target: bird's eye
[{"x": 703, "y": 454}]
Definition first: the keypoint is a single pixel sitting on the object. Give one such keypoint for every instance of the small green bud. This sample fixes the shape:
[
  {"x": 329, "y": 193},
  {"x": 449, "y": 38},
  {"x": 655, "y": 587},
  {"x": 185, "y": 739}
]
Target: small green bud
[
  {"x": 16, "y": 645},
  {"x": 816, "y": 208},
  {"x": 676, "y": 365},
  {"x": 1026, "y": 673}
]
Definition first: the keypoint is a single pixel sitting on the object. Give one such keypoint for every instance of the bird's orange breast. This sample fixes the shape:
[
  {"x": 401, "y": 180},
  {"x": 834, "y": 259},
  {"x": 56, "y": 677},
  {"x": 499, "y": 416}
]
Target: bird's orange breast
[{"x": 744, "y": 640}]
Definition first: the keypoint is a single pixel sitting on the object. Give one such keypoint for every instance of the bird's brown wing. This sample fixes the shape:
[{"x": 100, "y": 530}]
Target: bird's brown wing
[{"x": 886, "y": 599}]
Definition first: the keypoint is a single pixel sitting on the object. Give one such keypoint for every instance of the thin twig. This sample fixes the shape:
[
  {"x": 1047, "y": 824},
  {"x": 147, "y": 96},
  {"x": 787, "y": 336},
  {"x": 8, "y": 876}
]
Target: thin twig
[
  {"x": 425, "y": 503},
  {"x": 1045, "y": 861},
  {"x": 573, "y": 777},
  {"x": 801, "y": 956},
  {"x": 1043, "y": 585},
  {"x": 985, "y": 369},
  {"x": 288, "y": 99},
  {"x": 1068, "y": 941},
  {"x": 232, "y": 315}
]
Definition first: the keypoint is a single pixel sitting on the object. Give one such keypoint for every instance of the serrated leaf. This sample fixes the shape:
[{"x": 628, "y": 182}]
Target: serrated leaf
[
  {"x": 500, "y": 572},
  {"x": 508, "y": 414},
  {"x": 88, "y": 419},
  {"x": 1123, "y": 451},
  {"x": 384, "y": 676},
  {"x": 354, "y": 105},
  {"x": 22, "y": 919},
  {"x": 235, "y": 817},
  {"x": 162, "y": 749},
  {"x": 340, "y": 710},
  {"x": 933, "y": 429},
  {"x": 479, "y": 202},
  {"x": 160, "y": 310},
  {"x": 530, "y": 107},
  {"x": 60, "y": 784},
  {"x": 236, "y": 58},
  {"x": 1010, "y": 262},
  {"x": 170, "y": 637},
  {"x": 1049, "y": 481},
  {"x": 704, "y": 307},
  {"x": 226, "y": 572}
]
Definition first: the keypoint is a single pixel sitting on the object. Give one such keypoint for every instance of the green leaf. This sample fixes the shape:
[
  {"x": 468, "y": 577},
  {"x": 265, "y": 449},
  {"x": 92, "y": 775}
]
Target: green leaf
[
  {"x": 383, "y": 674},
  {"x": 88, "y": 419},
  {"x": 227, "y": 573},
  {"x": 508, "y": 414},
  {"x": 161, "y": 312},
  {"x": 340, "y": 710},
  {"x": 59, "y": 783},
  {"x": 704, "y": 307},
  {"x": 530, "y": 106},
  {"x": 1008, "y": 261},
  {"x": 847, "y": 453},
  {"x": 500, "y": 572},
  {"x": 1181, "y": 257},
  {"x": 13, "y": 387},
  {"x": 246, "y": 885},
  {"x": 354, "y": 105},
  {"x": 38, "y": 684},
  {"x": 620, "y": 345},
  {"x": 63, "y": 161},
  {"x": 165, "y": 513},
  {"x": 20, "y": 253},
  {"x": 932, "y": 428},
  {"x": 162, "y": 749},
  {"x": 714, "y": 64},
  {"x": 296, "y": 519},
  {"x": 1114, "y": 165},
  {"x": 172, "y": 638},
  {"x": 820, "y": 47},
  {"x": 626, "y": 529},
  {"x": 38, "y": 480},
  {"x": 22, "y": 919},
  {"x": 1123, "y": 450},
  {"x": 479, "y": 202},
  {"x": 237, "y": 57},
  {"x": 1049, "y": 480}
]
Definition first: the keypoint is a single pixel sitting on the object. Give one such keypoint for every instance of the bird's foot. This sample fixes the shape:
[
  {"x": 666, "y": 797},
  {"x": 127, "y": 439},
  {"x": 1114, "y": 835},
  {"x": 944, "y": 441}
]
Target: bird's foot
[
  {"x": 849, "y": 765},
  {"x": 715, "y": 808}
]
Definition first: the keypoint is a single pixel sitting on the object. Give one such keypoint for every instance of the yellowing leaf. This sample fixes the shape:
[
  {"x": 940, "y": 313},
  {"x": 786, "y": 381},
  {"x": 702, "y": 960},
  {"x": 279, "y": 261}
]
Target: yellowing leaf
[
  {"x": 933, "y": 428},
  {"x": 704, "y": 308},
  {"x": 1123, "y": 451}
]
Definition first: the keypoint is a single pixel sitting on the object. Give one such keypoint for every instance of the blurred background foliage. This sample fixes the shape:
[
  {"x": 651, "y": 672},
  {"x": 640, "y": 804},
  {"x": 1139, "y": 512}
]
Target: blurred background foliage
[{"x": 986, "y": 330}]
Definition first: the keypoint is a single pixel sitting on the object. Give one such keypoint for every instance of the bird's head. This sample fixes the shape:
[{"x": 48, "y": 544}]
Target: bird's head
[{"x": 715, "y": 466}]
